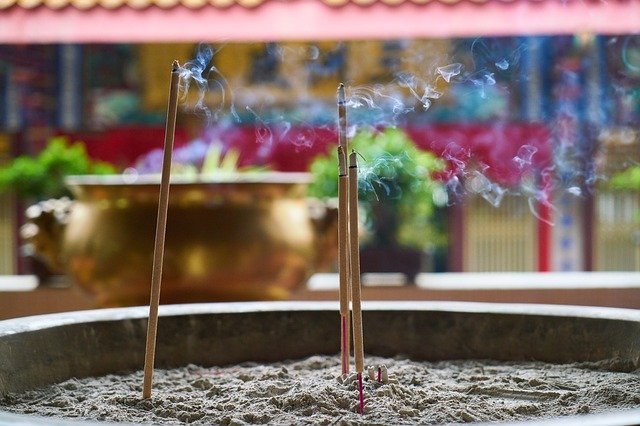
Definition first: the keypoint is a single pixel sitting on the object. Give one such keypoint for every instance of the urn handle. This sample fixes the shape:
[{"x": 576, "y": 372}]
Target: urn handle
[{"x": 43, "y": 231}]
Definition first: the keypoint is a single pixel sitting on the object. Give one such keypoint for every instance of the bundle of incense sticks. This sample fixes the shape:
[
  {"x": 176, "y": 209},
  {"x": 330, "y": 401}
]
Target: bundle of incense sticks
[
  {"x": 161, "y": 226},
  {"x": 349, "y": 250}
]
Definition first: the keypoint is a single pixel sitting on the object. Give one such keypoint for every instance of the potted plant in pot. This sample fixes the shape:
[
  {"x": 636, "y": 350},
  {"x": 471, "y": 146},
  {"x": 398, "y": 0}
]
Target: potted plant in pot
[
  {"x": 400, "y": 199},
  {"x": 40, "y": 179}
]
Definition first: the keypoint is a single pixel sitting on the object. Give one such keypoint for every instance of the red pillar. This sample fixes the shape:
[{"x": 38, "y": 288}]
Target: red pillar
[
  {"x": 545, "y": 237},
  {"x": 588, "y": 220}
]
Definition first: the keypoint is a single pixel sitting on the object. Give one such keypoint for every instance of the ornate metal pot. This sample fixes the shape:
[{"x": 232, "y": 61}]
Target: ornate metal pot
[{"x": 245, "y": 236}]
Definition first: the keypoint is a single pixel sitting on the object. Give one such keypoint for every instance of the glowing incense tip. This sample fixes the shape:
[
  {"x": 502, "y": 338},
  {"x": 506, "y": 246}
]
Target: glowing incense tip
[
  {"x": 175, "y": 66},
  {"x": 360, "y": 393},
  {"x": 341, "y": 96}
]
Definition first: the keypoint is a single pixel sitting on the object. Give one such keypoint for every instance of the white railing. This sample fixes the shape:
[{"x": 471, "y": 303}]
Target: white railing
[
  {"x": 617, "y": 231},
  {"x": 499, "y": 238}
]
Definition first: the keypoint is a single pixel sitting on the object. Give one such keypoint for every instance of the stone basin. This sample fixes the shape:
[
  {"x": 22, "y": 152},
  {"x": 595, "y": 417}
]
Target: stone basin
[{"x": 41, "y": 350}]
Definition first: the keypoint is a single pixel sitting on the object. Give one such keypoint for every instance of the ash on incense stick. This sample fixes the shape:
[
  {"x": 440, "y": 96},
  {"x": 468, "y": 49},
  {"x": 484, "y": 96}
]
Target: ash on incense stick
[{"x": 306, "y": 392}]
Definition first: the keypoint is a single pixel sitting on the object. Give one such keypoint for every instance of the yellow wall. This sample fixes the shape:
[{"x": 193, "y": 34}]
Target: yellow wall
[{"x": 233, "y": 60}]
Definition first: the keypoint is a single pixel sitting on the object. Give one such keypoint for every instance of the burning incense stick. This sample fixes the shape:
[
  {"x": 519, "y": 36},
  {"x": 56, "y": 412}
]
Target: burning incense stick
[
  {"x": 161, "y": 227},
  {"x": 342, "y": 118},
  {"x": 343, "y": 231},
  {"x": 358, "y": 347},
  {"x": 343, "y": 259}
]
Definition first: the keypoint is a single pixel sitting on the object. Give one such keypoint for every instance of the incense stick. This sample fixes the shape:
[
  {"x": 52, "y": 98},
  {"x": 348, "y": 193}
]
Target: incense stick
[
  {"x": 161, "y": 227},
  {"x": 358, "y": 347},
  {"x": 343, "y": 256},
  {"x": 342, "y": 118},
  {"x": 343, "y": 231}
]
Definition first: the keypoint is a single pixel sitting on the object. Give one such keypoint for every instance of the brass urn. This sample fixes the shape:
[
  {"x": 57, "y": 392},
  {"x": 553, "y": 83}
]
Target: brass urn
[{"x": 240, "y": 236}]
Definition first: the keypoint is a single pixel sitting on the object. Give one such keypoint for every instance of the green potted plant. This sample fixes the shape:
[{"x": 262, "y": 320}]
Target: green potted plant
[
  {"x": 42, "y": 176},
  {"x": 399, "y": 197}
]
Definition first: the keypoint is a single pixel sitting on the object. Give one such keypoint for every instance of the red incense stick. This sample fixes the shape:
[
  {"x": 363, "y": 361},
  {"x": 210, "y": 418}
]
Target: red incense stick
[{"x": 360, "y": 393}]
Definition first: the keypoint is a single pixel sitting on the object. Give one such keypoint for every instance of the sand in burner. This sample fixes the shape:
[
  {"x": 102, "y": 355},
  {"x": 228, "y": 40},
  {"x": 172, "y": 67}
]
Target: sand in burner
[{"x": 307, "y": 392}]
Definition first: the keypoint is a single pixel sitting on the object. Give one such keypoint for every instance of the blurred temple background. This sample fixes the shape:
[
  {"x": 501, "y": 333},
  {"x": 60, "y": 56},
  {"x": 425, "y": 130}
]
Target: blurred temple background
[{"x": 560, "y": 93}]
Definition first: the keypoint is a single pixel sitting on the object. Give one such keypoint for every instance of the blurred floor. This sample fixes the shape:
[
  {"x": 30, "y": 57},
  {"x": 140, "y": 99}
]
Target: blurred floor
[{"x": 19, "y": 296}]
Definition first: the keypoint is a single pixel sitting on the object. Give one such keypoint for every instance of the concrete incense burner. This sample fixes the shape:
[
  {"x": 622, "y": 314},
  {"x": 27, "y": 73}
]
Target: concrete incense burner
[{"x": 39, "y": 351}]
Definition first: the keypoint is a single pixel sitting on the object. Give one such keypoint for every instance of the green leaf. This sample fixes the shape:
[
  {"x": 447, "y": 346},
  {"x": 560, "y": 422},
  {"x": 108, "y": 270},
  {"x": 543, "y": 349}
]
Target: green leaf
[
  {"x": 43, "y": 176},
  {"x": 393, "y": 171},
  {"x": 628, "y": 179}
]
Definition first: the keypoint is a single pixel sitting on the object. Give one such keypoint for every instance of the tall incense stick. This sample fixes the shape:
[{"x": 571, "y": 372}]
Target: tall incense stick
[
  {"x": 161, "y": 227},
  {"x": 343, "y": 231},
  {"x": 358, "y": 347},
  {"x": 343, "y": 258}
]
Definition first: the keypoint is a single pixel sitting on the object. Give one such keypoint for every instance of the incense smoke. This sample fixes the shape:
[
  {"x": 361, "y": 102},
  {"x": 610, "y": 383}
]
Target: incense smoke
[
  {"x": 449, "y": 71},
  {"x": 525, "y": 155},
  {"x": 207, "y": 78},
  {"x": 470, "y": 85}
]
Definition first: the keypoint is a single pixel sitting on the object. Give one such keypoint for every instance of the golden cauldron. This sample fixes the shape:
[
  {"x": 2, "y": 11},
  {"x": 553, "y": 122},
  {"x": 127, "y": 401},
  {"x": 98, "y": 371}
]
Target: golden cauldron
[{"x": 242, "y": 236}]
